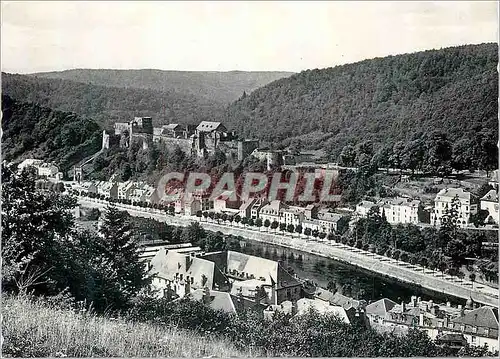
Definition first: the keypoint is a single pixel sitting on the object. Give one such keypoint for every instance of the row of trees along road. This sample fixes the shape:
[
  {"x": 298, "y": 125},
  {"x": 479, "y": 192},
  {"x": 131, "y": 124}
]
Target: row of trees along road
[{"x": 258, "y": 222}]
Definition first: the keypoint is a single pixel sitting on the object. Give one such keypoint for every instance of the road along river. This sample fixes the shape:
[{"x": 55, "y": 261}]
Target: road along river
[{"x": 412, "y": 275}]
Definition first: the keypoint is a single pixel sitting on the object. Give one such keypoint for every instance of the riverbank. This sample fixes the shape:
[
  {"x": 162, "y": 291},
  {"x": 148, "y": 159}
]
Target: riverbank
[{"x": 400, "y": 271}]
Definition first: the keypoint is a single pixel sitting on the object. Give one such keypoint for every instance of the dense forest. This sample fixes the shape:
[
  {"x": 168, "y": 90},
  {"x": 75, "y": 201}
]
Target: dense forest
[
  {"x": 220, "y": 87},
  {"x": 384, "y": 100},
  {"x": 30, "y": 130},
  {"x": 108, "y": 105}
]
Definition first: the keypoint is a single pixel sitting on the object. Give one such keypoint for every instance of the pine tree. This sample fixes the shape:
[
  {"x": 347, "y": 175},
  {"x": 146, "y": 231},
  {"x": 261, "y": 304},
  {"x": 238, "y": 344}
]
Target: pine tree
[
  {"x": 34, "y": 224},
  {"x": 125, "y": 273}
]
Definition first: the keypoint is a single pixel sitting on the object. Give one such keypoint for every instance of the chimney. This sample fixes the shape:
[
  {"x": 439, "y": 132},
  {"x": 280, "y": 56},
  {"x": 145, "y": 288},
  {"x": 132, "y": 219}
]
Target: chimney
[
  {"x": 206, "y": 295},
  {"x": 189, "y": 260},
  {"x": 257, "y": 295},
  {"x": 448, "y": 304},
  {"x": 433, "y": 309},
  {"x": 403, "y": 306},
  {"x": 421, "y": 319},
  {"x": 446, "y": 321},
  {"x": 187, "y": 287},
  {"x": 414, "y": 301},
  {"x": 274, "y": 300}
]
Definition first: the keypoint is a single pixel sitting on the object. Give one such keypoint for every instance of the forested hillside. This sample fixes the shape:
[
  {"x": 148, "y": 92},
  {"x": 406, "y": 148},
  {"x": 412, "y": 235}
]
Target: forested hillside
[
  {"x": 384, "y": 100},
  {"x": 107, "y": 105},
  {"x": 30, "y": 130},
  {"x": 221, "y": 87}
]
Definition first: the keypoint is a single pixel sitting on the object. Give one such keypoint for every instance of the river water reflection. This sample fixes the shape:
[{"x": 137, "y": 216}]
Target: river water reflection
[{"x": 349, "y": 280}]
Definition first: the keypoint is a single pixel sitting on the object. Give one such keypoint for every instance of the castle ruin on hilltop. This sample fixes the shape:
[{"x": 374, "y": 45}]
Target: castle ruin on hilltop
[{"x": 201, "y": 140}]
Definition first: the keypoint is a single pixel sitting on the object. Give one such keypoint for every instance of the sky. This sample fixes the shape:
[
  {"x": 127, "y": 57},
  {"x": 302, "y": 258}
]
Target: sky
[{"x": 225, "y": 36}]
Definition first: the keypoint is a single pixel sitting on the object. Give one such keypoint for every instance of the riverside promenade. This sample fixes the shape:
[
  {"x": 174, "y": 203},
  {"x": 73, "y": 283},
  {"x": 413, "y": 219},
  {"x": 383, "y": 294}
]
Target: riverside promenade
[{"x": 401, "y": 271}]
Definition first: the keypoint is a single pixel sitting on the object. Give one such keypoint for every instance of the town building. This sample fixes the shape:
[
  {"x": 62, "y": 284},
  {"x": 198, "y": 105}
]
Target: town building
[
  {"x": 400, "y": 210},
  {"x": 489, "y": 202},
  {"x": 107, "y": 189},
  {"x": 363, "y": 208},
  {"x": 43, "y": 169},
  {"x": 257, "y": 206},
  {"x": 225, "y": 204},
  {"x": 252, "y": 277},
  {"x": 466, "y": 202},
  {"x": 328, "y": 221},
  {"x": 304, "y": 305},
  {"x": 271, "y": 211},
  {"x": 177, "y": 273},
  {"x": 292, "y": 215},
  {"x": 214, "y": 299},
  {"x": 477, "y": 326},
  {"x": 125, "y": 189},
  {"x": 493, "y": 180}
]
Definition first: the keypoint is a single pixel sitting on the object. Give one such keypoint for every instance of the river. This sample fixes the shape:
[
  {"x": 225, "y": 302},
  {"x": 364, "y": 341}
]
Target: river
[{"x": 349, "y": 280}]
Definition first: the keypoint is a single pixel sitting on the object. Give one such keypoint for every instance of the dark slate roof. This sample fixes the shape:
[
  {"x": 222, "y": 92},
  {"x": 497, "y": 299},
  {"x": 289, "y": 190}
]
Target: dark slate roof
[
  {"x": 208, "y": 126},
  {"x": 486, "y": 317},
  {"x": 380, "y": 307},
  {"x": 218, "y": 300}
]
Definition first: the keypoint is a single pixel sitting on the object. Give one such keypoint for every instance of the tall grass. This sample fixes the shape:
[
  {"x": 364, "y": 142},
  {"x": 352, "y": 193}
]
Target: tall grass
[{"x": 34, "y": 328}]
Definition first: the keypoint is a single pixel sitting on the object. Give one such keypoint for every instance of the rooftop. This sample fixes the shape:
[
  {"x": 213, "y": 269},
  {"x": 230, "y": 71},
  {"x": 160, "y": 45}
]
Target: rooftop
[
  {"x": 218, "y": 300},
  {"x": 169, "y": 263},
  {"x": 491, "y": 196},
  {"x": 450, "y": 193},
  {"x": 381, "y": 307},
  {"x": 208, "y": 126}
]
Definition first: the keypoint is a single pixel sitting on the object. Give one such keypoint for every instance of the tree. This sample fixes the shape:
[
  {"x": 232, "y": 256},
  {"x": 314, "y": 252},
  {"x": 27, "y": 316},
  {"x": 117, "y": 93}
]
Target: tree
[
  {"x": 397, "y": 152},
  {"x": 290, "y": 228},
  {"x": 347, "y": 156},
  {"x": 194, "y": 233},
  {"x": 205, "y": 214},
  {"x": 34, "y": 226},
  {"x": 298, "y": 229},
  {"x": 322, "y": 235},
  {"x": 126, "y": 273},
  {"x": 258, "y": 222},
  {"x": 199, "y": 214},
  {"x": 315, "y": 233},
  {"x": 251, "y": 222},
  {"x": 282, "y": 227},
  {"x": 237, "y": 218},
  {"x": 449, "y": 220},
  {"x": 307, "y": 231},
  {"x": 267, "y": 223},
  {"x": 244, "y": 220},
  {"x": 214, "y": 242},
  {"x": 438, "y": 154}
]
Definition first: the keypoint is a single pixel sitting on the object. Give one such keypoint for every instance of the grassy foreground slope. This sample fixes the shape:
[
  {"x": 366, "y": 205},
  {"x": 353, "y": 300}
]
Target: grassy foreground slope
[{"x": 33, "y": 328}]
